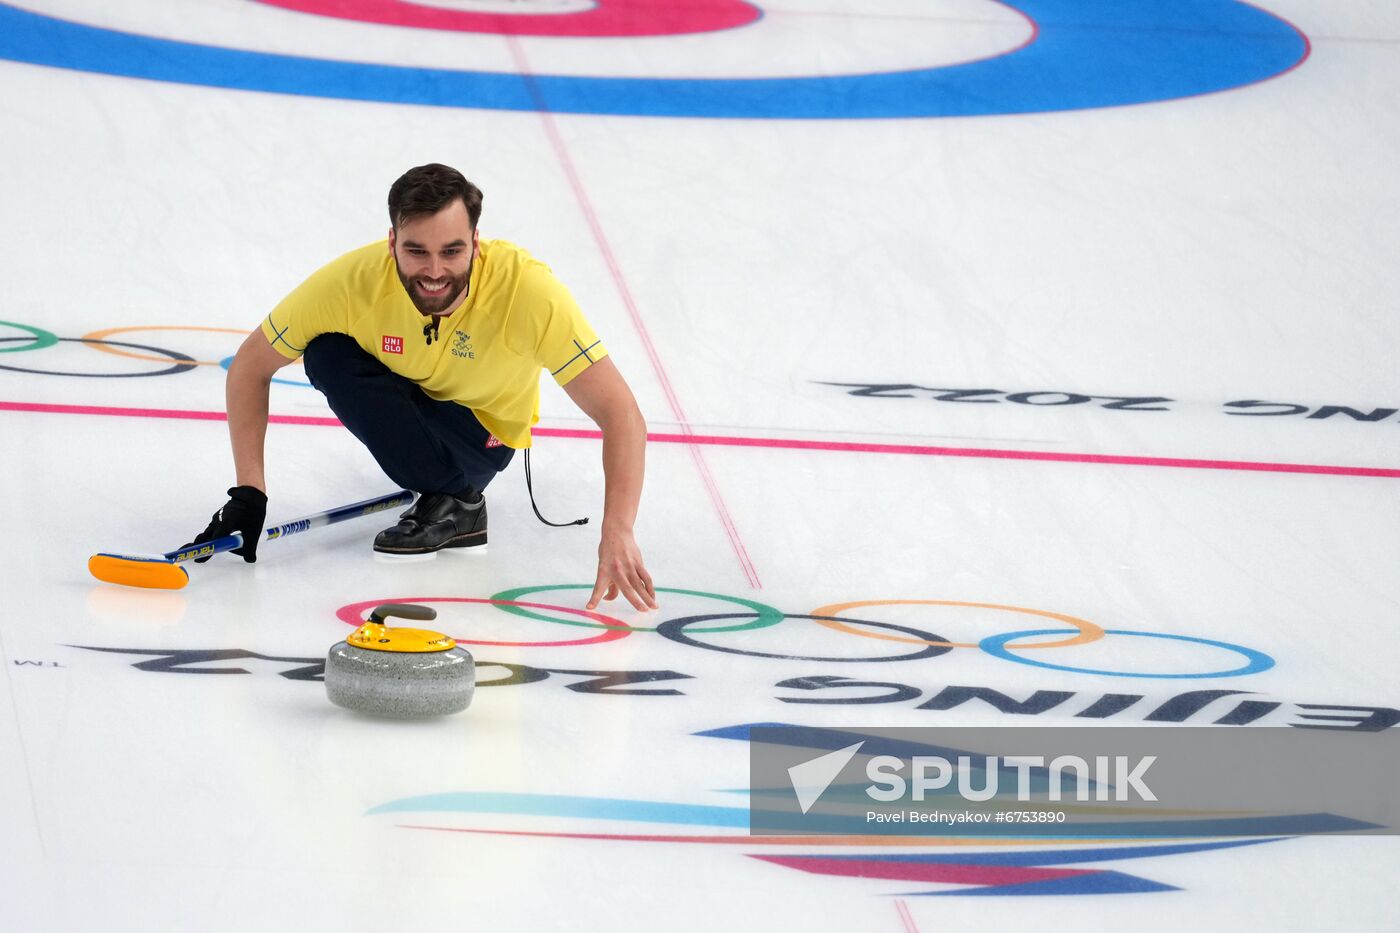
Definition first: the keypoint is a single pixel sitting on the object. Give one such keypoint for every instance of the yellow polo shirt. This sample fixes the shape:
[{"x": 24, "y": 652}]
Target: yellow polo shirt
[{"x": 517, "y": 320}]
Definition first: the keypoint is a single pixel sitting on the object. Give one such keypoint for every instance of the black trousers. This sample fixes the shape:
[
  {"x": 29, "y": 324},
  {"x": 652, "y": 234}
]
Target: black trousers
[{"x": 421, "y": 443}]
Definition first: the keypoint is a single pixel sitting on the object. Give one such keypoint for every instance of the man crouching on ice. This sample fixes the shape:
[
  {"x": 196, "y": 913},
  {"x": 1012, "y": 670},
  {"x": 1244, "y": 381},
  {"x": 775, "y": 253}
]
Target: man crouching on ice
[{"x": 429, "y": 349}]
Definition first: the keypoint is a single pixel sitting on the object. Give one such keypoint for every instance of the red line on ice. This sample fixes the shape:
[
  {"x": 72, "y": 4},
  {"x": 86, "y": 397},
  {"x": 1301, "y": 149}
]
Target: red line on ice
[
  {"x": 778, "y": 443},
  {"x": 595, "y": 226}
]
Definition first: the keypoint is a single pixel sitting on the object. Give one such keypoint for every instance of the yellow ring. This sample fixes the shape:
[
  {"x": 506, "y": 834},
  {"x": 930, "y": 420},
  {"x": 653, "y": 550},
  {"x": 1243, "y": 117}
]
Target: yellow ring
[
  {"x": 118, "y": 351},
  {"x": 1088, "y": 631}
]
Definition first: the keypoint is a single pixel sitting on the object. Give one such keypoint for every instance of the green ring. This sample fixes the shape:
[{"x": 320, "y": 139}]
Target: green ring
[
  {"x": 767, "y": 615},
  {"x": 42, "y": 338}
]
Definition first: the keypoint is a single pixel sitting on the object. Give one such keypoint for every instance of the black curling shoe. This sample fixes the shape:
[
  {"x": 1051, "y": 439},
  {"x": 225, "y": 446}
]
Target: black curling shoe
[{"x": 436, "y": 521}]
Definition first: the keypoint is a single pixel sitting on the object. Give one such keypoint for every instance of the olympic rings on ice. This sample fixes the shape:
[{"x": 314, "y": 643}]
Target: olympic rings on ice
[
  {"x": 674, "y": 629},
  {"x": 997, "y": 647},
  {"x": 183, "y": 363},
  {"x": 40, "y": 339},
  {"x": 684, "y": 630},
  {"x": 102, "y": 335},
  {"x": 764, "y": 615},
  {"x": 1088, "y": 631},
  {"x": 613, "y": 628}
]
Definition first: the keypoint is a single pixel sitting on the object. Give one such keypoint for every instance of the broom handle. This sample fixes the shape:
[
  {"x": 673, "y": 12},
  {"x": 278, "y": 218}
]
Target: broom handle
[{"x": 296, "y": 526}]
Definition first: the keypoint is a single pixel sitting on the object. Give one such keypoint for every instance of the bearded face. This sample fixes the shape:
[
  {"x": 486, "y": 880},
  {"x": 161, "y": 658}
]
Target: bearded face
[
  {"x": 434, "y": 294},
  {"x": 433, "y": 256}
]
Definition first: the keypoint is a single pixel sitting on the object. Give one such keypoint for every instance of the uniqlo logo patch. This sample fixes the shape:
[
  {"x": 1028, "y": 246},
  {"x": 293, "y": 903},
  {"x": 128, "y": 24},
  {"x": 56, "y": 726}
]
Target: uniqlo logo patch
[
  {"x": 493, "y": 441},
  {"x": 393, "y": 344}
]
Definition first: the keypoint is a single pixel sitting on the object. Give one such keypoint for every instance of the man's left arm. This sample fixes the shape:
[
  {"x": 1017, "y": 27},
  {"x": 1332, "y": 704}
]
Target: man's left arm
[{"x": 603, "y": 395}]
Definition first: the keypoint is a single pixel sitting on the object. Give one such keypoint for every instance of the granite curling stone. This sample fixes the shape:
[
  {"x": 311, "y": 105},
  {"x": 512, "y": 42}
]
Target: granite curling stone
[{"x": 400, "y": 673}]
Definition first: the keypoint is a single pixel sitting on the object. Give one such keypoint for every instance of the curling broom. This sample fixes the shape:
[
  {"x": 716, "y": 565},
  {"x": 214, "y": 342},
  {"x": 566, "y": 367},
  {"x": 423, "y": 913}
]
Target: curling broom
[{"x": 163, "y": 571}]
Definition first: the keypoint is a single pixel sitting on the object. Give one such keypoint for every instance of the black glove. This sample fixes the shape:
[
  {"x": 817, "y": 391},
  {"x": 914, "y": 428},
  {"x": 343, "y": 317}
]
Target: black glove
[{"x": 245, "y": 512}]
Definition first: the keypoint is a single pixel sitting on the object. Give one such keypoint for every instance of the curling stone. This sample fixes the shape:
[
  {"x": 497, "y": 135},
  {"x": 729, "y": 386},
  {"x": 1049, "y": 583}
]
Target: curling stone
[{"x": 401, "y": 673}]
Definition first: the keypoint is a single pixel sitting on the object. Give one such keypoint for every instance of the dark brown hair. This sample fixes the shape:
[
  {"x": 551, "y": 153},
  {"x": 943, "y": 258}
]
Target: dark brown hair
[{"x": 427, "y": 189}]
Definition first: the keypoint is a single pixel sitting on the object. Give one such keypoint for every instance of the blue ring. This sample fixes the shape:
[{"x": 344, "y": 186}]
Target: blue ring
[
  {"x": 1086, "y": 54},
  {"x": 995, "y": 645},
  {"x": 228, "y": 360}
]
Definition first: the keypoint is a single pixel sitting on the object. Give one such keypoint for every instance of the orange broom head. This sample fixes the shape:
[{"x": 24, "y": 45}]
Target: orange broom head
[{"x": 155, "y": 573}]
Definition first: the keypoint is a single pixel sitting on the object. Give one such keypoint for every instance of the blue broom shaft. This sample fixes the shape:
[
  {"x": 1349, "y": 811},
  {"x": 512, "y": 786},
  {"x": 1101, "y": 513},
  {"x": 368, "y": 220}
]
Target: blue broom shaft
[{"x": 296, "y": 526}]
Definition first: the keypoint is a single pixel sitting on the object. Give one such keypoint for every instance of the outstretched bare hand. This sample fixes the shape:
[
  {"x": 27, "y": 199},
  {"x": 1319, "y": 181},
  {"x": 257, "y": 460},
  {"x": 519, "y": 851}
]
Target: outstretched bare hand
[{"x": 620, "y": 570}]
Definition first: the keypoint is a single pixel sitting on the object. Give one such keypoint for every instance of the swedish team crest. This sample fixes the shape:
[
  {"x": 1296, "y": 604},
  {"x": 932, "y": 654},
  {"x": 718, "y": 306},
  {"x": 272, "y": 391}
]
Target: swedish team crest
[{"x": 462, "y": 345}]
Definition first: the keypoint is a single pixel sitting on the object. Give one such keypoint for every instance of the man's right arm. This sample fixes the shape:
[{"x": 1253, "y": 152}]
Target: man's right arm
[{"x": 246, "y": 390}]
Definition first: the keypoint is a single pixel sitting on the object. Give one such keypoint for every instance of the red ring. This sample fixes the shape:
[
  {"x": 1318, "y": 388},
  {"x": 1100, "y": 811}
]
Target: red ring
[
  {"x": 609, "y": 18},
  {"x": 616, "y": 628}
]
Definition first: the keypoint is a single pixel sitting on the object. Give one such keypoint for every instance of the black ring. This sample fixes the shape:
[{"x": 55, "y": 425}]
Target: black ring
[
  {"x": 175, "y": 370},
  {"x": 672, "y": 629}
]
